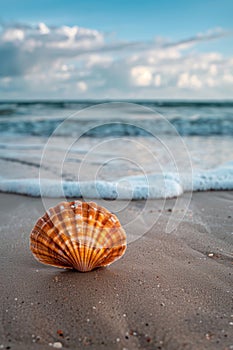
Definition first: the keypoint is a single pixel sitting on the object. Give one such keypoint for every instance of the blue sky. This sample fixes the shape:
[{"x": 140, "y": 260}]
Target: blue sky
[{"x": 86, "y": 69}]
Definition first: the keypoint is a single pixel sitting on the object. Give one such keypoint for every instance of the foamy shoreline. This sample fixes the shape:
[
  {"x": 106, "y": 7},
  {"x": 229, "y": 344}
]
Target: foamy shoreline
[{"x": 149, "y": 186}]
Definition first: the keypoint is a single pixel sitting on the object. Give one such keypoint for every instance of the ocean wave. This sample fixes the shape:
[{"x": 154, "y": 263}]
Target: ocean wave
[
  {"x": 138, "y": 118},
  {"x": 198, "y": 126},
  {"x": 152, "y": 186}
]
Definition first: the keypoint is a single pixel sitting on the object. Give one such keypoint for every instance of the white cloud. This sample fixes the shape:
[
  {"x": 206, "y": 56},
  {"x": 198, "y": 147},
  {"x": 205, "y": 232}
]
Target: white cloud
[
  {"x": 82, "y": 86},
  {"x": 157, "y": 80},
  {"x": 228, "y": 78},
  {"x": 189, "y": 81},
  {"x": 69, "y": 32},
  {"x": 98, "y": 60},
  {"x": 211, "y": 82},
  {"x": 6, "y": 80},
  {"x": 213, "y": 69},
  {"x": 48, "y": 61},
  {"x": 43, "y": 28},
  {"x": 141, "y": 75},
  {"x": 13, "y": 35}
]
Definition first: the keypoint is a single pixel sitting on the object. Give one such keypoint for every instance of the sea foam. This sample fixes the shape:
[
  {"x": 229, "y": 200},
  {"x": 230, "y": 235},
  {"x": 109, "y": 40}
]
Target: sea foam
[{"x": 152, "y": 186}]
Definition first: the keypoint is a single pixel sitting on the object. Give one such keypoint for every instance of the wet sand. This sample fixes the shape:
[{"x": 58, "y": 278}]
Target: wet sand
[{"x": 169, "y": 291}]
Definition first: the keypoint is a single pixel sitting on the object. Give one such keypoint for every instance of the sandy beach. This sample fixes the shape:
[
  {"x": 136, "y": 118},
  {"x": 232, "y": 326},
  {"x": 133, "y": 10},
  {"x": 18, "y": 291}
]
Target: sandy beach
[{"x": 169, "y": 291}]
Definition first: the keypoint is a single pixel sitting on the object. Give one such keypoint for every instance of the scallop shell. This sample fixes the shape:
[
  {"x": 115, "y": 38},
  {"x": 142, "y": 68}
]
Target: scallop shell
[{"x": 78, "y": 235}]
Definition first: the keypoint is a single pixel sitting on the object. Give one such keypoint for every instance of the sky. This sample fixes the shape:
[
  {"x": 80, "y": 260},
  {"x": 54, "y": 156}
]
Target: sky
[{"x": 151, "y": 49}]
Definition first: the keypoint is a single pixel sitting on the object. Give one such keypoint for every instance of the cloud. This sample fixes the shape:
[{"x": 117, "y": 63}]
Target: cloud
[
  {"x": 186, "y": 80},
  {"x": 211, "y": 34},
  {"x": 141, "y": 75},
  {"x": 82, "y": 86},
  {"x": 63, "y": 62}
]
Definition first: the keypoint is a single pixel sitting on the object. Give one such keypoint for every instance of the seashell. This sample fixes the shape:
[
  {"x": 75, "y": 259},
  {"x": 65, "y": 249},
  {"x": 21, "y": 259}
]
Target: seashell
[{"x": 78, "y": 235}]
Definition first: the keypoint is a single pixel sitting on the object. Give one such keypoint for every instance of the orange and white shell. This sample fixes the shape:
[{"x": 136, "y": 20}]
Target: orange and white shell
[{"x": 78, "y": 235}]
